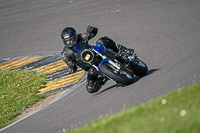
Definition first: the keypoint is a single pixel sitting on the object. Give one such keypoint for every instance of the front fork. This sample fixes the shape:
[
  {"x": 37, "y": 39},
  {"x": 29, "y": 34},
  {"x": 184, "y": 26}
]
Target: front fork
[
  {"x": 117, "y": 68},
  {"x": 105, "y": 59}
]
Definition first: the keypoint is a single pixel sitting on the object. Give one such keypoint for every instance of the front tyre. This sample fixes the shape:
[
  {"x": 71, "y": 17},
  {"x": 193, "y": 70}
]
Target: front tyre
[
  {"x": 120, "y": 77},
  {"x": 139, "y": 68}
]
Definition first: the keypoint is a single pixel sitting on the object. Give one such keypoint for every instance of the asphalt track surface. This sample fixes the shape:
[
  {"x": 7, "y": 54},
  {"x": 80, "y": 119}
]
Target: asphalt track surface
[{"x": 164, "y": 33}]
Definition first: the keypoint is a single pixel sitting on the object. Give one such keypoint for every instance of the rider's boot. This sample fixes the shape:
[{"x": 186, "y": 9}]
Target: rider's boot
[
  {"x": 103, "y": 80},
  {"x": 124, "y": 49}
]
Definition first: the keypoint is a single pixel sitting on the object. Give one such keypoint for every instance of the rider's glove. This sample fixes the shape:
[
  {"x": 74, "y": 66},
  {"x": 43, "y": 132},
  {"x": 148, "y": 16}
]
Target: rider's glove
[{"x": 92, "y": 31}]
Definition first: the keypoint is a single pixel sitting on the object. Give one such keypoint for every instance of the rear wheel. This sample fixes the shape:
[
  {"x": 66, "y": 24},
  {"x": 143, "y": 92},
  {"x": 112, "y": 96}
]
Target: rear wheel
[
  {"x": 139, "y": 68},
  {"x": 120, "y": 77}
]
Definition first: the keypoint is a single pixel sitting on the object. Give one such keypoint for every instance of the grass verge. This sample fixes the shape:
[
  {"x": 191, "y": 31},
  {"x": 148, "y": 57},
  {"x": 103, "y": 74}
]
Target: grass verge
[
  {"x": 18, "y": 90},
  {"x": 175, "y": 112}
]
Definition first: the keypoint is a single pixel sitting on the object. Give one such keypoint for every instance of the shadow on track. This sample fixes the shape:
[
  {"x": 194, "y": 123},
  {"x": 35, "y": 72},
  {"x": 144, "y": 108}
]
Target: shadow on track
[{"x": 136, "y": 79}]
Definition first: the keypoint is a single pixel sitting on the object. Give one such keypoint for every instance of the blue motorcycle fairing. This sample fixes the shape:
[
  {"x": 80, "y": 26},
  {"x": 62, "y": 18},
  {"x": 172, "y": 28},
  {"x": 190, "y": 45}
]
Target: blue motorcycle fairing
[
  {"x": 79, "y": 47},
  {"x": 99, "y": 47}
]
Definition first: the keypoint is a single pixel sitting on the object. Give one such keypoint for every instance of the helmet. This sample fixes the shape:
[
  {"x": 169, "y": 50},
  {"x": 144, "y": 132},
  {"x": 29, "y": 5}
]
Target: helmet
[{"x": 69, "y": 36}]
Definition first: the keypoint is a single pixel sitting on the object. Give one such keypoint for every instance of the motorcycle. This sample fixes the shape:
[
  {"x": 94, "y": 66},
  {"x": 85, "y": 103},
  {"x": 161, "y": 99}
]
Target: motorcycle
[{"x": 119, "y": 67}]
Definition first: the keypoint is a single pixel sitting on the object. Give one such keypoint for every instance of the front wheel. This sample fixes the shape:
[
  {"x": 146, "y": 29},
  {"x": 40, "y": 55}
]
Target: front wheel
[
  {"x": 120, "y": 77},
  {"x": 139, "y": 68}
]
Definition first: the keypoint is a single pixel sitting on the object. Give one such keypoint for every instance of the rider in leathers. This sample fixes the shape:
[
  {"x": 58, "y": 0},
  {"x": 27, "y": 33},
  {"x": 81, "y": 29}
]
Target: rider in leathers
[{"x": 70, "y": 37}]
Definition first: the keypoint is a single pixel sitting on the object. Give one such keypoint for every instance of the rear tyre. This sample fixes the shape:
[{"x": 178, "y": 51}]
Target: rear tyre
[
  {"x": 119, "y": 77},
  {"x": 140, "y": 68}
]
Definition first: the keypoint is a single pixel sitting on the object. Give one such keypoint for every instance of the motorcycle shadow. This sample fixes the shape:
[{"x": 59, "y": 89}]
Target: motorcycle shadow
[{"x": 135, "y": 79}]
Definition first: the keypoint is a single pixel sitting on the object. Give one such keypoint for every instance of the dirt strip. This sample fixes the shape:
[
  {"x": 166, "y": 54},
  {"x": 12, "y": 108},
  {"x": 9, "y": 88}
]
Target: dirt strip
[{"x": 39, "y": 105}]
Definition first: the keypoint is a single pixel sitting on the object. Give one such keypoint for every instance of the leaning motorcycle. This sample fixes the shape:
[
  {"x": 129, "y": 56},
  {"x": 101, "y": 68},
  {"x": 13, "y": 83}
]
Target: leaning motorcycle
[{"x": 119, "y": 67}]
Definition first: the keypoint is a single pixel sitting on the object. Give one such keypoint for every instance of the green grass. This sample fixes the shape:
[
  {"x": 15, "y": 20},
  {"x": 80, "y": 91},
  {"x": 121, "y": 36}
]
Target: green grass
[
  {"x": 175, "y": 112},
  {"x": 18, "y": 90}
]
